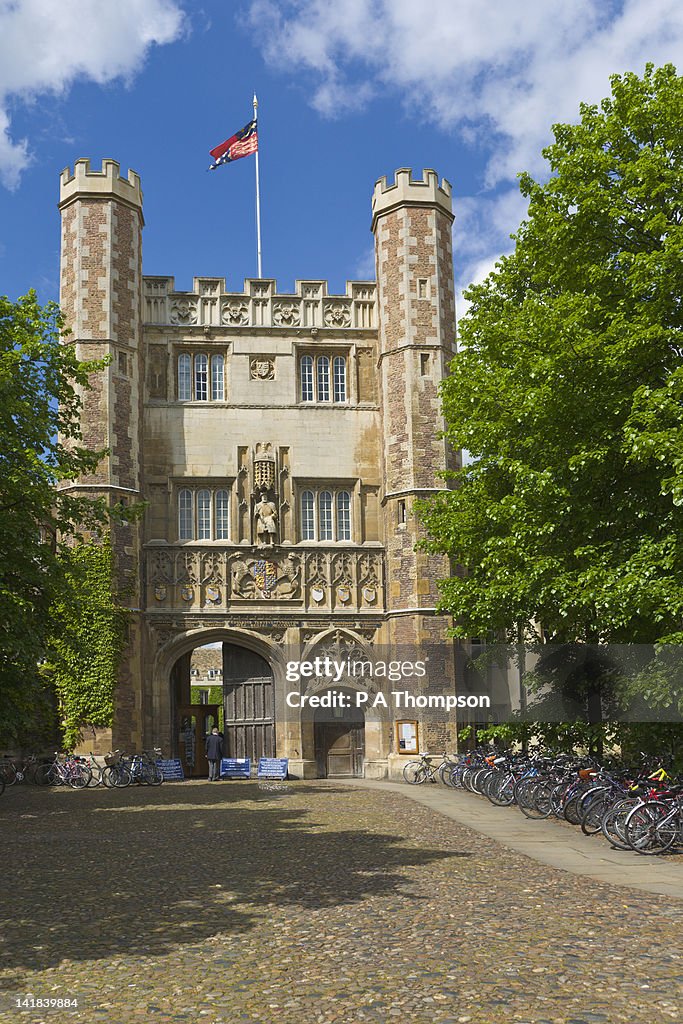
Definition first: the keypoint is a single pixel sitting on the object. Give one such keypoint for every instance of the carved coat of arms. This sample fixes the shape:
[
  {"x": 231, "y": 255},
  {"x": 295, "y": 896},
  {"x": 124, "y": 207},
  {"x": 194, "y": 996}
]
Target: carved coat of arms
[{"x": 265, "y": 575}]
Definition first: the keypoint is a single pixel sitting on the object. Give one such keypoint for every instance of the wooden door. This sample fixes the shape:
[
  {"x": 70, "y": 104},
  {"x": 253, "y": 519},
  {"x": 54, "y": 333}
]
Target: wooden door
[
  {"x": 248, "y": 704},
  {"x": 340, "y": 748}
]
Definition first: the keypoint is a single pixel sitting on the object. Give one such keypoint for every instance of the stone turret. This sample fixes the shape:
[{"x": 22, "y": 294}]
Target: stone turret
[
  {"x": 100, "y": 296},
  {"x": 411, "y": 222}
]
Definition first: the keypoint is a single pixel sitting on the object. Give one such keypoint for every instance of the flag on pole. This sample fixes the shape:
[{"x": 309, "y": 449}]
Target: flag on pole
[{"x": 242, "y": 143}]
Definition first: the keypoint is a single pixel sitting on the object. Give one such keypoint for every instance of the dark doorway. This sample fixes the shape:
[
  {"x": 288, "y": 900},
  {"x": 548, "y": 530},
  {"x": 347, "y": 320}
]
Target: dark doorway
[
  {"x": 248, "y": 703},
  {"x": 194, "y": 723},
  {"x": 339, "y": 742}
]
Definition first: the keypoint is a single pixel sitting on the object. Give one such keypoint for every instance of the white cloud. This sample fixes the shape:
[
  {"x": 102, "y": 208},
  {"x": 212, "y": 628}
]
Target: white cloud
[
  {"x": 364, "y": 270},
  {"x": 505, "y": 71},
  {"x": 46, "y": 46},
  {"x": 498, "y": 73},
  {"x": 481, "y": 235}
]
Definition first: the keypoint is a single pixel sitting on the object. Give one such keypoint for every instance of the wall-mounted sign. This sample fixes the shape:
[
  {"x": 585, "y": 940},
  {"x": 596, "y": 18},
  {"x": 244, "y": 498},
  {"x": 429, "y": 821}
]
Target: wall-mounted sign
[{"x": 406, "y": 737}]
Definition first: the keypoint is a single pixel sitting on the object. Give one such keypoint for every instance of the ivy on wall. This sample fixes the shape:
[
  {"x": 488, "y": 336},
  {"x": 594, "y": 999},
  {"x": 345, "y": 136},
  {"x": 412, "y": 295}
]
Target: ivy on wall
[{"x": 88, "y": 638}]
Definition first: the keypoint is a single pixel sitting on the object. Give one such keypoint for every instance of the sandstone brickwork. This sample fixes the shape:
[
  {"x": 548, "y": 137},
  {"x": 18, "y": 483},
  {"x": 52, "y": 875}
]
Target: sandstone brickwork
[{"x": 214, "y": 397}]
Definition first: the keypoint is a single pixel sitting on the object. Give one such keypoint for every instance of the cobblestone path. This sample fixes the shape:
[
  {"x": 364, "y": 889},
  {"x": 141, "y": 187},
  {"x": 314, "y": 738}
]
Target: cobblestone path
[{"x": 227, "y": 903}]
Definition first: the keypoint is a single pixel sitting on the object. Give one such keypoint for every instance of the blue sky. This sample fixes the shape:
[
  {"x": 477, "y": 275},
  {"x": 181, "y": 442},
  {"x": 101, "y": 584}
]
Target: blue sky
[{"x": 349, "y": 90}]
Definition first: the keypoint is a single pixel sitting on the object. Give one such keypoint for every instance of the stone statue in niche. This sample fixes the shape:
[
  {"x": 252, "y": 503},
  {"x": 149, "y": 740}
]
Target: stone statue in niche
[{"x": 265, "y": 513}]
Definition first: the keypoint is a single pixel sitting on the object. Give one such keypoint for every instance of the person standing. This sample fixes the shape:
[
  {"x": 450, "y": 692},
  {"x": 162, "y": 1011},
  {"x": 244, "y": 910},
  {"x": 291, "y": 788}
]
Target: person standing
[{"x": 214, "y": 753}]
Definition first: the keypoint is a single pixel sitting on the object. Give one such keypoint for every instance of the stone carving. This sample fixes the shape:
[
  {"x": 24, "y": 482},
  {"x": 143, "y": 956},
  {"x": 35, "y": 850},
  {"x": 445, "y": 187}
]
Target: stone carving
[
  {"x": 242, "y": 580},
  {"x": 369, "y": 570},
  {"x": 161, "y": 571},
  {"x": 265, "y": 513},
  {"x": 338, "y": 314},
  {"x": 184, "y": 312},
  {"x": 322, "y": 579},
  {"x": 262, "y": 578},
  {"x": 262, "y": 369},
  {"x": 264, "y": 466},
  {"x": 342, "y": 646},
  {"x": 186, "y": 567},
  {"x": 212, "y": 568},
  {"x": 286, "y": 314},
  {"x": 235, "y": 314}
]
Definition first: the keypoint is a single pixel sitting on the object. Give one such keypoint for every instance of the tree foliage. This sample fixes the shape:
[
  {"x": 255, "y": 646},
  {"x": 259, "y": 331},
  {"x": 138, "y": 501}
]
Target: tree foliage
[
  {"x": 40, "y": 382},
  {"x": 567, "y": 391}
]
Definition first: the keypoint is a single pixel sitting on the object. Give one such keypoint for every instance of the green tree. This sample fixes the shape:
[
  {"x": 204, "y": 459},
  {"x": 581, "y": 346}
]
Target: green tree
[
  {"x": 567, "y": 392},
  {"x": 40, "y": 381}
]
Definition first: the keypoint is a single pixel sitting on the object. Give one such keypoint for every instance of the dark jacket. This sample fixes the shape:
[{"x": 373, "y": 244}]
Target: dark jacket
[{"x": 214, "y": 747}]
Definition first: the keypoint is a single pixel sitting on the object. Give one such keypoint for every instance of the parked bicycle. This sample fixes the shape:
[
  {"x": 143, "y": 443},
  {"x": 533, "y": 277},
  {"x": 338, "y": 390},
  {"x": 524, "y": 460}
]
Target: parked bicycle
[{"x": 417, "y": 772}]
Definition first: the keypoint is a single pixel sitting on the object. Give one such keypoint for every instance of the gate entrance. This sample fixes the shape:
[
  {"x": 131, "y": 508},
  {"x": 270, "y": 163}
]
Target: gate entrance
[
  {"x": 195, "y": 722},
  {"x": 339, "y": 742},
  {"x": 249, "y": 706}
]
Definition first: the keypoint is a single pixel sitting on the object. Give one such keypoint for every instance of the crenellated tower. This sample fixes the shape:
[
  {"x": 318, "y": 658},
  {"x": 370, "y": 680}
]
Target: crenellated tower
[
  {"x": 100, "y": 297},
  {"x": 411, "y": 222}
]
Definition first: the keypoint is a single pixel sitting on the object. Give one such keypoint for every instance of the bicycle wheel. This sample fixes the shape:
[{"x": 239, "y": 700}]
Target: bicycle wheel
[
  {"x": 48, "y": 775},
  {"x": 525, "y": 796},
  {"x": 8, "y": 770},
  {"x": 410, "y": 771},
  {"x": 153, "y": 774},
  {"x": 2, "y": 785},
  {"x": 543, "y": 799},
  {"x": 612, "y": 824},
  {"x": 79, "y": 776},
  {"x": 571, "y": 810},
  {"x": 117, "y": 776},
  {"x": 651, "y": 828},
  {"x": 593, "y": 813},
  {"x": 502, "y": 791},
  {"x": 95, "y": 775}
]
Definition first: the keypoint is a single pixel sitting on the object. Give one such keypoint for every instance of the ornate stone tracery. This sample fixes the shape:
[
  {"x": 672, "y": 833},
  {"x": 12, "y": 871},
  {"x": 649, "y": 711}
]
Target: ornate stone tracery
[{"x": 184, "y": 312}]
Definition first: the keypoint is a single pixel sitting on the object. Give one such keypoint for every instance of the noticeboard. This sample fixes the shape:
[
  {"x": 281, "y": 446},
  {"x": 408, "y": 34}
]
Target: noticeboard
[
  {"x": 272, "y": 767},
  {"x": 172, "y": 769},
  {"x": 235, "y": 767}
]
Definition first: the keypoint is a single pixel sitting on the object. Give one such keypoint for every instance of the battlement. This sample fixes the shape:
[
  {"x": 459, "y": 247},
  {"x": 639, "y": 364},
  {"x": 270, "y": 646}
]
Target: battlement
[
  {"x": 259, "y": 305},
  {"x": 87, "y": 183},
  {"x": 404, "y": 191}
]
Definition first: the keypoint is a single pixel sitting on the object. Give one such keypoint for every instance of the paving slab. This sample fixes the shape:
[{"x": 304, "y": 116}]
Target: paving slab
[{"x": 550, "y": 842}]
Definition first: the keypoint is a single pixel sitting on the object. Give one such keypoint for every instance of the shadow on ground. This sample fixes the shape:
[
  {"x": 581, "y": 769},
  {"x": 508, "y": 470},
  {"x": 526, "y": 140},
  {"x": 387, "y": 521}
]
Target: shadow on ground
[{"x": 100, "y": 873}]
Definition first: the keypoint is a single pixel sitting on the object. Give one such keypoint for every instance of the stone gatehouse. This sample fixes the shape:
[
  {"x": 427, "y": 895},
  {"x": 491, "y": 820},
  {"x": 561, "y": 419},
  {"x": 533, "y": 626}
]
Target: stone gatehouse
[{"x": 278, "y": 441}]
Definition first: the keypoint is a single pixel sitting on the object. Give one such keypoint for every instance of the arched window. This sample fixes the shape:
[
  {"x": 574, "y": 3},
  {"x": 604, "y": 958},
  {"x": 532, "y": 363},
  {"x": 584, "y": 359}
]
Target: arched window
[
  {"x": 201, "y": 377},
  {"x": 204, "y": 515},
  {"x": 185, "y": 515},
  {"x": 323, "y": 379},
  {"x": 343, "y": 515},
  {"x": 325, "y": 515},
  {"x": 222, "y": 515},
  {"x": 217, "y": 379},
  {"x": 307, "y": 378},
  {"x": 184, "y": 378},
  {"x": 339, "y": 365},
  {"x": 307, "y": 516}
]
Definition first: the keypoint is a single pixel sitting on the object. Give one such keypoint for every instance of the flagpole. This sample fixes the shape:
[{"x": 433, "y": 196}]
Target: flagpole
[{"x": 258, "y": 201}]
